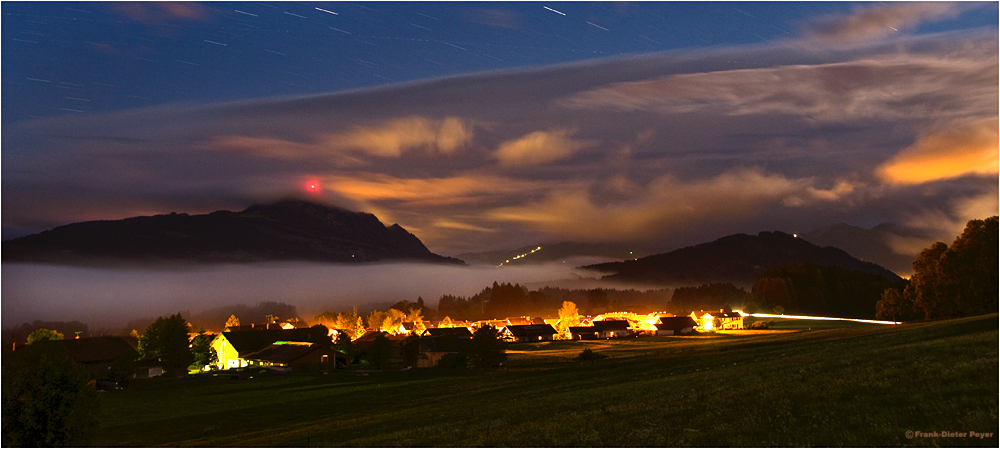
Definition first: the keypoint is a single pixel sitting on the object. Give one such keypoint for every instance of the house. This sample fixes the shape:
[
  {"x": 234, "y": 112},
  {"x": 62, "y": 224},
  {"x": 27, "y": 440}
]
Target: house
[
  {"x": 365, "y": 341},
  {"x": 539, "y": 320},
  {"x": 584, "y": 332},
  {"x": 727, "y": 320},
  {"x": 611, "y": 328},
  {"x": 232, "y": 346},
  {"x": 517, "y": 321},
  {"x": 433, "y": 349},
  {"x": 458, "y": 332},
  {"x": 254, "y": 327},
  {"x": 289, "y": 356},
  {"x": 675, "y": 325},
  {"x": 97, "y": 354},
  {"x": 528, "y": 333}
]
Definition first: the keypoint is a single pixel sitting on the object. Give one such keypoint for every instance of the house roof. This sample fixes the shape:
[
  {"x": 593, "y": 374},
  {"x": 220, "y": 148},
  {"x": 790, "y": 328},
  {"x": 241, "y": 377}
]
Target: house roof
[
  {"x": 96, "y": 349},
  {"x": 538, "y": 320},
  {"x": 529, "y": 330},
  {"x": 675, "y": 323},
  {"x": 245, "y": 342},
  {"x": 583, "y": 330},
  {"x": 611, "y": 325},
  {"x": 461, "y": 332},
  {"x": 447, "y": 343},
  {"x": 517, "y": 320},
  {"x": 286, "y": 352},
  {"x": 717, "y": 314}
]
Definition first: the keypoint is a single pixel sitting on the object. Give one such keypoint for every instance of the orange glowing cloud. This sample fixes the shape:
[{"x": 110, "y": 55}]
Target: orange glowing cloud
[
  {"x": 966, "y": 149},
  {"x": 539, "y": 147},
  {"x": 461, "y": 189},
  {"x": 409, "y": 133},
  {"x": 667, "y": 202}
]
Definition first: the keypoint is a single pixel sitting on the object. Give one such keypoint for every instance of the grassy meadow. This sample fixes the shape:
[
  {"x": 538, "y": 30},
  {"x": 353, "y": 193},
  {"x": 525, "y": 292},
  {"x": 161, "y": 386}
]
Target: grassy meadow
[{"x": 836, "y": 384}]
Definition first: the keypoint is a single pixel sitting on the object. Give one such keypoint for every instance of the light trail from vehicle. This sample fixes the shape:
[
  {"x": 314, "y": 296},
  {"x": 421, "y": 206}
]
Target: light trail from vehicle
[{"x": 821, "y": 318}]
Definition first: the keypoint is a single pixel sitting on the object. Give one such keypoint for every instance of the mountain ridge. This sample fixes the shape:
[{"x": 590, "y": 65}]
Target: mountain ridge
[
  {"x": 736, "y": 258},
  {"x": 288, "y": 230}
]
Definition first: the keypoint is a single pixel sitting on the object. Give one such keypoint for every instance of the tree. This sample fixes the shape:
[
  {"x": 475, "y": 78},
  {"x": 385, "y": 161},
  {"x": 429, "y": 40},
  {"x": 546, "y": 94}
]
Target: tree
[
  {"x": 232, "y": 322},
  {"x": 924, "y": 282},
  {"x": 750, "y": 308},
  {"x": 411, "y": 350},
  {"x": 890, "y": 306},
  {"x": 968, "y": 270},
  {"x": 46, "y": 399},
  {"x": 588, "y": 355},
  {"x": 43, "y": 335},
  {"x": 569, "y": 316},
  {"x": 379, "y": 353},
  {"x": 392, "y": 321},
  {"x": 344, "y": 346},
  {"x": 202, "y": 351},
  {"x": 778, "y": 310},
  {"x": 487, "y": 350},
  {"x": 350, "y": 323},
  {"x": 375, "y": 320},
  {"x": 166, "y": 340},
  {"x": 416, "y": 317},
  {"x": 597, "y": 299},
  {"x": 123, "y": 368}
]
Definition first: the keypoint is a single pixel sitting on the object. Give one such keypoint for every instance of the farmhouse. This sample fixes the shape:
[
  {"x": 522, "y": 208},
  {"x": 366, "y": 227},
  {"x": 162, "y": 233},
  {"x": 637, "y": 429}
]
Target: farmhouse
[
  {"x": 288, "y": 356},
  {"x": 675, "y": 325},
  {"x": 97, "y": 354},
  {"x": 611, "y": 328},
  {"x": 433, "y": 349},
  {"x": 726, "y": 320},
  {"x": 528, "y": 332},
  {"x": 232, "y": 347},
  {"x": 584, "y": 332},
  {"x": 458, "y": 332}
]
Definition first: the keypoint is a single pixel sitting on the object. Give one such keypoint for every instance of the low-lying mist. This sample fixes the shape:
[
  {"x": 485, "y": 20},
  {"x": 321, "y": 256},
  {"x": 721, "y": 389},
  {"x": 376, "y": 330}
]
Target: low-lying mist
[{"x": 110, "y": 297}]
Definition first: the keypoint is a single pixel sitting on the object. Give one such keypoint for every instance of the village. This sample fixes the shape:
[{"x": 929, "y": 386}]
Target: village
[{"x": 286, "y": 346}]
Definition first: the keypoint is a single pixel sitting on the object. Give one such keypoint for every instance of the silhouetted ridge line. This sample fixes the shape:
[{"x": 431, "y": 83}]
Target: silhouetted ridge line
[
  {"x": 738, "y": 258},
  {"x": 284, "y": 231}
]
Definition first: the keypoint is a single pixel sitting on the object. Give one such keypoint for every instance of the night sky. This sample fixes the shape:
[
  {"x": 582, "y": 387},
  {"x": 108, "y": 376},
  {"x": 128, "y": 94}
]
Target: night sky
[{"x": 491, "y": 125}]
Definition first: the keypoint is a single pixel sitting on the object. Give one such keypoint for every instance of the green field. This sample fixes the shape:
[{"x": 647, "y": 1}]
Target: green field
[{"x": 851, "y": 385}]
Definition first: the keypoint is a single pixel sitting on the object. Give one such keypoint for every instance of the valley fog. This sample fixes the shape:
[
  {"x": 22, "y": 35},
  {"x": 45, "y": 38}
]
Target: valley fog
[{"x": 110, "y": 297}]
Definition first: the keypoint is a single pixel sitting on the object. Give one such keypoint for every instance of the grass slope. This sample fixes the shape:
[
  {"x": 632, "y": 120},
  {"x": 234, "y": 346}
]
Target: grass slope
[{"x": 842, "y": 386}]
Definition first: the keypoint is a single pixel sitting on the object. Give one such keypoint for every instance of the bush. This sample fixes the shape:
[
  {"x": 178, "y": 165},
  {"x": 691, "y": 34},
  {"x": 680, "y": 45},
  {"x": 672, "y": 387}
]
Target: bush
[{"x": 589, "y": 355}]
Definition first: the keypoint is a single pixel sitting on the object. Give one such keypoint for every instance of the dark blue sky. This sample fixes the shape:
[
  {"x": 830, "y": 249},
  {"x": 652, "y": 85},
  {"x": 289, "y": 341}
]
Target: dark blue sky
[
  {"x": 498, "y": 125},
  {"x": 63, "y": 58}
]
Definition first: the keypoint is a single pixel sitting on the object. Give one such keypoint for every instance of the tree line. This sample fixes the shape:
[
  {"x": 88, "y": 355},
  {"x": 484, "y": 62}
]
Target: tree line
[{"x": 949, "y": 281}]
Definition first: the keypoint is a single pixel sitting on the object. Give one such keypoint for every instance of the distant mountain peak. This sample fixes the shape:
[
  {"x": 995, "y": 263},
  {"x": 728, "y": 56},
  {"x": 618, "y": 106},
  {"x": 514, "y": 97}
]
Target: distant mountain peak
[
  {"x": 290, "y": 229},
  {"x": 736, "y": 258}
]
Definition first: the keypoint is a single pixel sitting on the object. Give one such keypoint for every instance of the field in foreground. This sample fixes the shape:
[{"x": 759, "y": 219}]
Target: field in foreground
[{"x": 841, "y": 386}]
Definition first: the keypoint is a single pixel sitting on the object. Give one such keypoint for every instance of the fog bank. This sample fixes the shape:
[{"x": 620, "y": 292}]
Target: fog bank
[{"x": 110, "y": 297}]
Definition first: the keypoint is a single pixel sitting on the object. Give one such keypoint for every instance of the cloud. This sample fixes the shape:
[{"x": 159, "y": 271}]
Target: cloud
[
  {"x": 494, "y": 17},
  {"x": 539, "y": 147},
  {"x": 963, "y": 149},
  {"x": 866, "y": 22},
  {"x": 391, "y": 139},
  {"x": 958, "y": 84},
  {"x": 158, "y": 12},
  {"x": 460, "y": 189},
  {"x": 396, "y": 136},
  {"x": 667, "y": 203}
]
